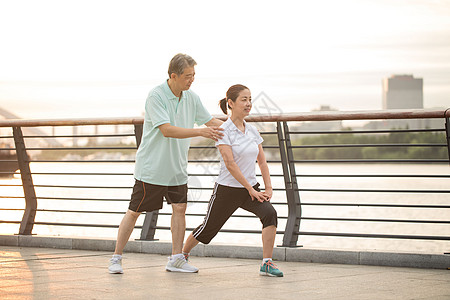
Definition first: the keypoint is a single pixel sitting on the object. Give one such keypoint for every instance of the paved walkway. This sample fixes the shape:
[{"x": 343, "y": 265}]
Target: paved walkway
[{"x": 42, "y": 273}]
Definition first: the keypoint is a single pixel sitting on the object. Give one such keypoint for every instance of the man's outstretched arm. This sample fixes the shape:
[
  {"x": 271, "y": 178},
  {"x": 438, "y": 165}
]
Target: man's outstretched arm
[
  {"x": 214, "y": 123},
  {"x": 168, "y": 130}
]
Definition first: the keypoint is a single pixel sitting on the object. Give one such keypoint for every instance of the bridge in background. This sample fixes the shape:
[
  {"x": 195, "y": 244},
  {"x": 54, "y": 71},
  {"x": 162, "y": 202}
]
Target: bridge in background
[{"x": 32, "y": 130}]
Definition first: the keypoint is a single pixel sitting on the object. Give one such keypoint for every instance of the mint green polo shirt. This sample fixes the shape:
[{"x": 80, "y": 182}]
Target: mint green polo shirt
[{"x": 161, "y": 160}]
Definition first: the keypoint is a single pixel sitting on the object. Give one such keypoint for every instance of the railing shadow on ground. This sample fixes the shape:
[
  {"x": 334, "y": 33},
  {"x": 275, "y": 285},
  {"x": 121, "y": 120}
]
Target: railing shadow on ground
[{"x": 288, "y": 152}]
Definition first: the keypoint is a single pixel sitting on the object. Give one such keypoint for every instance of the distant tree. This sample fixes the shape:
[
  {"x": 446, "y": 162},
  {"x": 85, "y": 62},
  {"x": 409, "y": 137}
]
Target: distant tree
[{"x": 391, "y": 152}]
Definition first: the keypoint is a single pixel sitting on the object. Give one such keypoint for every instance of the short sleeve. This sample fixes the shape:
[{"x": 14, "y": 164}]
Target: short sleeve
[
  {"x": 157, "y": 111},
  {"x": 258, "y": 137},
  {"x": 202, "y": 116},
  {"x": 225, "y": 140}
]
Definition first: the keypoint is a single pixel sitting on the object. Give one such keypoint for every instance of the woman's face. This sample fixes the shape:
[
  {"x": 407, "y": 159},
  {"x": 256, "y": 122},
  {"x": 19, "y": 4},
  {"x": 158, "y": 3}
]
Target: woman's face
[{"x": 243, "y": 103}]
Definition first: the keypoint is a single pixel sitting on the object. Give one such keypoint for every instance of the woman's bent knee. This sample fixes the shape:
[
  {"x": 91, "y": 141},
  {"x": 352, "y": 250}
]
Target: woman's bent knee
[{"x": 270, "y": 218}]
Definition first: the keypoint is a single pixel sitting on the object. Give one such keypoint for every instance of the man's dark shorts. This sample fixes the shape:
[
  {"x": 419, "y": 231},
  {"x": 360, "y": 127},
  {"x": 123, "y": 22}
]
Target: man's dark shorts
[{"x": 149, "y": 197}]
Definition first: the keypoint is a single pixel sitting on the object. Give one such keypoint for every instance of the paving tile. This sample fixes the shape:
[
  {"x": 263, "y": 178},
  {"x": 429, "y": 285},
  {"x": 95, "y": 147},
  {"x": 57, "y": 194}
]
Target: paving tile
[{"x": 42, "y": 273}]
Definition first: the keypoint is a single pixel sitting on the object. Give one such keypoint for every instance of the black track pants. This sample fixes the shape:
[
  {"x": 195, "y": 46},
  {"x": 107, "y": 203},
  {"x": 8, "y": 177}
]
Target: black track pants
[{"x": 223, "y": 203}]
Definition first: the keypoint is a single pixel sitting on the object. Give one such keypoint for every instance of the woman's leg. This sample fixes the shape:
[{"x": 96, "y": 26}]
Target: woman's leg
[
  {"x": 268, "y": 240},
  {"x": 223, "y": 203},
  {"x": 190, "y": 243},
  {"x": 268, "y": 216}
]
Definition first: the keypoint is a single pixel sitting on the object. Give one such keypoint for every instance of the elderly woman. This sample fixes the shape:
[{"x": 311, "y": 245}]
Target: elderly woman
[{"x": 236, "y": 185}]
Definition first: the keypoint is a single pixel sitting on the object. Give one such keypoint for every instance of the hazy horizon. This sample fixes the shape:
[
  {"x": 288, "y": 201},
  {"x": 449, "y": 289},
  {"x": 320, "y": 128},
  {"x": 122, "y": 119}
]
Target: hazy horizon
[{"x": 101, "y": 58}]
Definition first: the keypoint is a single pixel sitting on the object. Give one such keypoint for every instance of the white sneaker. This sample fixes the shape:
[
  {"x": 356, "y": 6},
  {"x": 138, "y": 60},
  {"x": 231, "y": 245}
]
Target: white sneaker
[
  {"x": 180, "y": 265},
  {"x": 115, "y": 265}
]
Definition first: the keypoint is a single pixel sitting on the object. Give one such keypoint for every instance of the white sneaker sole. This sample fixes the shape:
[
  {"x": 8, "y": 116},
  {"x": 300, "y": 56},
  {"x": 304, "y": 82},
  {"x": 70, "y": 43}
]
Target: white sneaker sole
[
  {"x": 115, "y": 272},
  {"x": 268, "y": 274},
  {"x": 171, "y": 269}
]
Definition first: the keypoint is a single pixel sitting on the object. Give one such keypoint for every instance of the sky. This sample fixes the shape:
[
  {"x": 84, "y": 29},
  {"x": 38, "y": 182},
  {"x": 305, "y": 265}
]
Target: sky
[{"x": 99, "y": 58}]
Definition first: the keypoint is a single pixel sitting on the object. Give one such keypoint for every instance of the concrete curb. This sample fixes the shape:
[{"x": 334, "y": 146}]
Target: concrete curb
[{"x": 356, "y": 257}]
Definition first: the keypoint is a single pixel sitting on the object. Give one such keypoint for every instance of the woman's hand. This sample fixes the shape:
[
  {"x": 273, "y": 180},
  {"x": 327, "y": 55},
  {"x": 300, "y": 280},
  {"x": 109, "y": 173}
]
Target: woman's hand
[
  {"x": 259, "y": 196},
  {"x": 268, "y": 193}
]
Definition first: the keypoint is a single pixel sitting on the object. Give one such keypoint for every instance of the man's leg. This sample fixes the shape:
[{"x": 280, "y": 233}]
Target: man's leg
[
  {"x": 178, "y": 226},
  {"x": 125, "y": 229},
  {"x": 177, "y": 262}
]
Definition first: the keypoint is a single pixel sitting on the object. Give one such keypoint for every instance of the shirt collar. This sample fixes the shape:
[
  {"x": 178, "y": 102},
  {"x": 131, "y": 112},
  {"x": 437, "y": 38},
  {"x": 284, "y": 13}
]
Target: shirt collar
[
  {"x": 232, "y": 126},
  {"x": 170, "y": 95}
]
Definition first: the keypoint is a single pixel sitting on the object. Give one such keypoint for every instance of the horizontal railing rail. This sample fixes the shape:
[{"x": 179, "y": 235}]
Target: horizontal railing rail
[
  {"x": 297, "y": 117},
  {"x": 55, "y": 188}
]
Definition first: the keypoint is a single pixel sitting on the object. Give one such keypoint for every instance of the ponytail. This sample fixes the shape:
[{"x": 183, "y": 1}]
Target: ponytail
[
  {"x": 223, "y": 105},
  {"x": 232, "y": 93}
]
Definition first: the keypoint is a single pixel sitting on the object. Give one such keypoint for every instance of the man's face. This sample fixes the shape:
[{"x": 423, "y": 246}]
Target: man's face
[{"x": 184, "y": 81}]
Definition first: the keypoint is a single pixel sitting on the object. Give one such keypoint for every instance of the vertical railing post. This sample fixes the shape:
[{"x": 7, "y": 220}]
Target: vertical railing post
[
  {"x": 447, "y": 132},
  {"x": 26, "y": 226},
  {"x": 151, "y": 218},
  {"x": 138, "y": 128},
  {"x": 290, "y": 181}
]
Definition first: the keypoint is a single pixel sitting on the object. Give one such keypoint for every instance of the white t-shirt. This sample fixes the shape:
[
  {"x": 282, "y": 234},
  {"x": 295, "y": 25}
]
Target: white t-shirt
[{"x": 245, "y": 151}]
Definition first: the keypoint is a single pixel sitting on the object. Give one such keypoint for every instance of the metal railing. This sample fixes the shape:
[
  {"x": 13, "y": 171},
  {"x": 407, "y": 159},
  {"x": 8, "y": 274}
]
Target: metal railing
[{"x": 282, "y": 143}]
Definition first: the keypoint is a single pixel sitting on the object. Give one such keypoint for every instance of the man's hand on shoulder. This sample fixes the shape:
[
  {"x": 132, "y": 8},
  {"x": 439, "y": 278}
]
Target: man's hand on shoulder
[
  {"x": 214, "y": 122},
  {"x": 212, "y": 132}
]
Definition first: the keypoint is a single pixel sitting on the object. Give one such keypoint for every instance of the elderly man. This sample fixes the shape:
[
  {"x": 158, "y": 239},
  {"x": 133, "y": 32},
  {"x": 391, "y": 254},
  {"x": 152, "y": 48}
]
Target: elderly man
[{"x": 171, "y": 110}]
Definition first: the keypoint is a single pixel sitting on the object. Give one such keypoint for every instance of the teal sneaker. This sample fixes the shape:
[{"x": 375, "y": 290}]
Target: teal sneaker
[{"x": 270, "y": 269}]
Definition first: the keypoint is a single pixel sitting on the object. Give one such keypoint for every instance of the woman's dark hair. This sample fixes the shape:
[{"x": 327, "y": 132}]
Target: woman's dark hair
[{"x": 232, "y": 93}]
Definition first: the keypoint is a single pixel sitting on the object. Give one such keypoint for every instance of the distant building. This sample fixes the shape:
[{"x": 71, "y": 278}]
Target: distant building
[
  {"x": 319, "y": 126},
  {"x": 402, "y": 92},
  {"x": 325, "y": 108}
]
